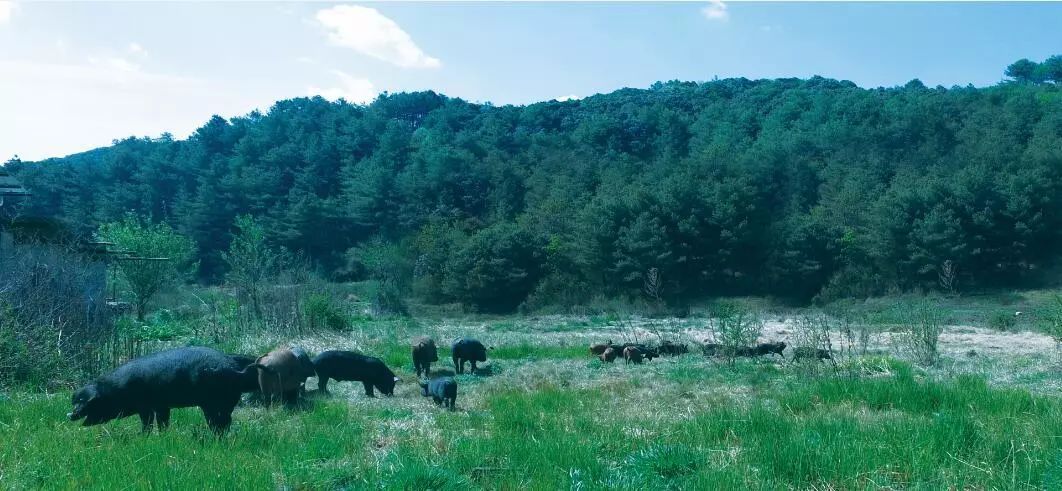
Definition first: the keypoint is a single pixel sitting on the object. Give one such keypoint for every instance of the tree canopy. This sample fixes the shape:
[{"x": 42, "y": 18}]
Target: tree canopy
[{"x": 785, "y": 187}]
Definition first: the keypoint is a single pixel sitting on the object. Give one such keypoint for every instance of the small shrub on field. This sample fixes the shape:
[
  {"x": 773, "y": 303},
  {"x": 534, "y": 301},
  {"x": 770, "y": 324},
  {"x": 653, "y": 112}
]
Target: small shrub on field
[
  {"x": 1050, "y": 320},
  {"x": 813, "y": 332},
  {"x": 321, "y": 311},
  {"x": 1002, "y": 320},
  {"x": 921, "y": 324},
  {"x": 734, "y": 327},
  {"x": 388, "y": 300}
]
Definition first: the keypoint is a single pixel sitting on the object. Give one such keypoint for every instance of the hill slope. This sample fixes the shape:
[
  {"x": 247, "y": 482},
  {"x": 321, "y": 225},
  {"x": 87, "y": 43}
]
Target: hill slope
[{"x": 787, "y": 187}]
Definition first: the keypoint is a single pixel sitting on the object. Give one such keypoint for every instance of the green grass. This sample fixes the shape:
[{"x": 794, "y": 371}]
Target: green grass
[{"x": 897, "y": 431}]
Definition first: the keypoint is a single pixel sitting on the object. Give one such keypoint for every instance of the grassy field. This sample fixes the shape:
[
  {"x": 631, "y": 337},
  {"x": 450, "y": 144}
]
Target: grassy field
[{"x": 545, "y": 415}]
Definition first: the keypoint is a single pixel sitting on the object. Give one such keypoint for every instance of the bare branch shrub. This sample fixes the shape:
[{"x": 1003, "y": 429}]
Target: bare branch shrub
[
  {"x": 813, "y": 333},
  {"x": 1050, "y": 320},
  {"x": 54, "y": 321},
  {"x": 733, "y": 327},
  {"x": 946, "y": 276},
  {"x": 921, "y": 324}
]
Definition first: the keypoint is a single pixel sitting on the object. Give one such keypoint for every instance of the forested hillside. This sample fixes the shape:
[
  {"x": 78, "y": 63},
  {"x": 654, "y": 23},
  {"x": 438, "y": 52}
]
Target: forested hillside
[{"x": 787, "y": 187}]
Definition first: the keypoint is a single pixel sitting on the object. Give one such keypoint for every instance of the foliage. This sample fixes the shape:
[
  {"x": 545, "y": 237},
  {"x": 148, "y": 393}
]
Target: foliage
[
  {"x": 791, "y": 188},
  {"x": 1002, "y": 320},
  {"x": 1051, "y": 322},
  {"x": 388, "y": 264},
  {"x": 252, "y": 263},
  {"x": 160, "y": 257},
  {"x": 496, "y": 268},
  {"x": 921, "y": 324},
  {"x": 321, "y": 311},
  {"x": 54, "y": 321},
  {"x": 734, "y": 327}
]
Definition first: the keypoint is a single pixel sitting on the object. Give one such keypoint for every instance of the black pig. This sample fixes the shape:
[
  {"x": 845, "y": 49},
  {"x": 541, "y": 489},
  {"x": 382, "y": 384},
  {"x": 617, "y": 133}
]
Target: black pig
[
  {"x": 152, "y": 385},
  {"x": 424, "y": 353},
  {"x": 350, "y": 366},
  {"x": 467, "y": 349},
  {"x": 764, "y": 349},
  {"x": 442, "y": 390}
]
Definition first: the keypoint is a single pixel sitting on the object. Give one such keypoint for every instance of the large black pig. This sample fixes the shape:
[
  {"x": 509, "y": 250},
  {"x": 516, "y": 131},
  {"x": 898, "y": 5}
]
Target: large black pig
[
  {"x": 467, "y": 349},
  {"x": 152, "y": 385},
  {"x": 350, "y": 366}
]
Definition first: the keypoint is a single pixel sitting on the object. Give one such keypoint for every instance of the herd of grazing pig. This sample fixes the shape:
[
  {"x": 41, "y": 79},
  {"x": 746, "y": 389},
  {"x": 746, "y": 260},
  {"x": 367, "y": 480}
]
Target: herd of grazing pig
[
  {"x": 636, "y": 352},
  {"x": 215, "y": 382}
]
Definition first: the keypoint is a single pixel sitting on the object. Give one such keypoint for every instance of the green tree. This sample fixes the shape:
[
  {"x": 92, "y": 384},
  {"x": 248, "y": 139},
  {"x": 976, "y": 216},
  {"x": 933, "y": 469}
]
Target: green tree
[
  {"x": 1022, "y": 70},
  {"x": 1050, "y": 70},
  {"x": 158, "y": 257},
  {"x": 497, "y": 268},
  {"x": 251, "y": 261},
  {"x": 389, "y": 266}
]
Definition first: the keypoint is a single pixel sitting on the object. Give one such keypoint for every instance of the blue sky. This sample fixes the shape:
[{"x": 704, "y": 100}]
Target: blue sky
[{"x": 74, "y": 76}]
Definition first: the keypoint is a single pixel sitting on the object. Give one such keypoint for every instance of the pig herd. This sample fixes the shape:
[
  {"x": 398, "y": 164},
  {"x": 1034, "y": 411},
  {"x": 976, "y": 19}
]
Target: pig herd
[
  {"x": 215, "y": 382},
  {"x": 608, "y": 351}
]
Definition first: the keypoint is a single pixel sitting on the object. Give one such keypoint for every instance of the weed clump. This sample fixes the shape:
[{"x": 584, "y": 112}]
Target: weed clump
[{"x": 921, "y": 324}]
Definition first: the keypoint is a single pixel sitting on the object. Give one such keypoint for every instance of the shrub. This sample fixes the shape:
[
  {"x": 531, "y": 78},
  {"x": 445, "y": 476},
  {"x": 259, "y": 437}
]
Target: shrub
[
  {"x": 734, "y": 327},
  {"x": 921, "y": 324},
  {"x": 813, "y": 331},
  {"x": 161, "y": 257},
  {"x": 54, "y": 323},
  {"x": 321, "y": 312},
  {"x": 1001, "y": 320},
  {"x": 1050, "y": 320}
]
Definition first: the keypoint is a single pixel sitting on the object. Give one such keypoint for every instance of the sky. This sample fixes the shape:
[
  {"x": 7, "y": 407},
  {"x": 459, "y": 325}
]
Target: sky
[{"x": 75, "y": 76}]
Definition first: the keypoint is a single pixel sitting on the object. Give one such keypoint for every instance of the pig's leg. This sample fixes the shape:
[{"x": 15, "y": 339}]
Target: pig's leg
[
  {"x": 368, "y": 389},
  {"x": 473, "y": 367},
  {"x": 459, "y": 364},
  {"x": 218, "y": 420},
  {"x": 147, "y": 416},
  {"x": 322, "y": 383},
  {"x": 162, "y": 417},
  {"x": 438, "y": 400}
]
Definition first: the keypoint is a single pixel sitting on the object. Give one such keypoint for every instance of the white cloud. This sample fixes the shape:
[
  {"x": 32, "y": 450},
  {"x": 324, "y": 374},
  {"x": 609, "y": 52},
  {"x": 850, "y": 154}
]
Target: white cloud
[
  {"x": 369, "y": 32},
  {"x": 7, "y": 10},
  {"x": 569, "y": 97},
  {"x": 352, "y": 89},
  {"x": 715, "y": 10},
  {"x": 136, "y": 49},
  {"x": 114, "y": 63},
  {"x": 62, "y": 108},
  {"x": 307, "y": 60}
]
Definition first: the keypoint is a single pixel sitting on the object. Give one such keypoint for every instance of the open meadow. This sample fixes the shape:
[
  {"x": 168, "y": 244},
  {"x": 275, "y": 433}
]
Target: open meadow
[{"x": 542, "y": 413}]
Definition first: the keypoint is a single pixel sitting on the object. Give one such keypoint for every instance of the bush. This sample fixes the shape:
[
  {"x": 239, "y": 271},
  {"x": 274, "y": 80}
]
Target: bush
[
  {"x": 733, "y": 326},
  {"x": 1050, "y": 320},
  {"x": 54, "y": 324},
  {"x": 921, "y": 325},
  {"x": 1001, "y": 320},
  {"x": 388, "y": 300},
  {"x": 813, "y": 331},
  {"x": 321, "y": 312}
]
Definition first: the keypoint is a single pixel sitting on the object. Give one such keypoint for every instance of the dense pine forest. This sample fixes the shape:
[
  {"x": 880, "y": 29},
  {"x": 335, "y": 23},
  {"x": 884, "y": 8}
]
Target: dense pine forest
[{"x": 801, "y": 189}]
